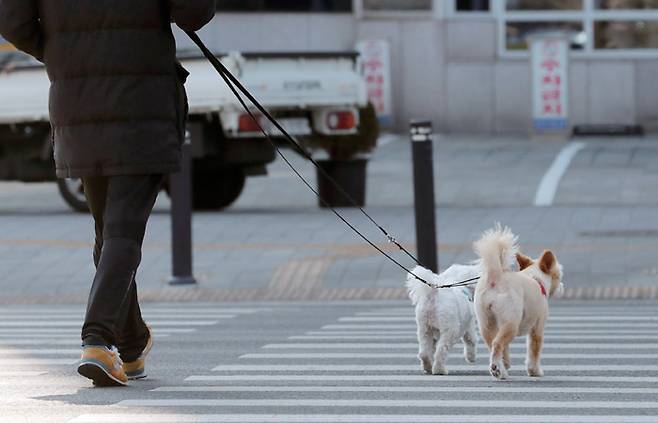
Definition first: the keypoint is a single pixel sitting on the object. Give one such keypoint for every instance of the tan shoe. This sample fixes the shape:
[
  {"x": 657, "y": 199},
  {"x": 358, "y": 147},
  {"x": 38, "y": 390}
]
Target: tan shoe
[
  {"x": 136, "y": 369},
  {"x": 103, "y": 366}
]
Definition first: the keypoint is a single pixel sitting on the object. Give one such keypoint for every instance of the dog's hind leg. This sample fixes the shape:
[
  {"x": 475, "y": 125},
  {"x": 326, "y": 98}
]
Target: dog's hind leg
[
  {"x": 506, "y": 360},
  {"x": 446, "y": 341},
  {"x": 426, "y": 345},
  {"x": 504, "y": 336},
  {"x": 470, "y": 343},
  {"x": 535, "y": 342}
]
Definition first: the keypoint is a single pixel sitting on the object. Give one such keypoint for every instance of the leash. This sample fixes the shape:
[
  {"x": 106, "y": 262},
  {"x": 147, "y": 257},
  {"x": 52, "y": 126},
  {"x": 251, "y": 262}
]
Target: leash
[{"x": 234, "y": 85}]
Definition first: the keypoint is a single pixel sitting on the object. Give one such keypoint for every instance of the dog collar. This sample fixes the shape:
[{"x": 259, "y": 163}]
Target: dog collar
[{"x": 541, "y": 286}]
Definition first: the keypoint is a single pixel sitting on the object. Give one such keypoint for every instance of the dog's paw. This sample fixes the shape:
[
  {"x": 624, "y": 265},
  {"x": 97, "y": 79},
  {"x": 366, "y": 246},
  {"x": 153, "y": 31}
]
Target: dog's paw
[
  {"x": 498, "y": 371},
  {"x": 469, "y": 356},
  {"x": 427, "y": 364},
  {"x": 535, "y": 372},
  {"x": 439, "y": 370},
  {"x": 508, "y": 365}
]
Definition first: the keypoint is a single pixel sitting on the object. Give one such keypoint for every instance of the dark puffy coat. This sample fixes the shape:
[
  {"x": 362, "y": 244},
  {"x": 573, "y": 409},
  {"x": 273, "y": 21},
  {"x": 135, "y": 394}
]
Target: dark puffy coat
[{"x": 117, "y": 103}]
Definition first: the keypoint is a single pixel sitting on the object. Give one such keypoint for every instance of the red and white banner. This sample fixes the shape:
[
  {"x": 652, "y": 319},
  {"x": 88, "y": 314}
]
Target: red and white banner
[
  {"x": 376, "y": 61},
  {"x": 550, "y": 81}
]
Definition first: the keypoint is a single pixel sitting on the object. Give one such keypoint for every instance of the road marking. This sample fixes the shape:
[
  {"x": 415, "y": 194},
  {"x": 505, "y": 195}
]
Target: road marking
[
  {"x": 76, "y": 331},
  {"x": 519, "y": 343},
  {"x": 48, "y": 351},
  {"x": 409, "y": 403},
  {"x": 550, "y": 319},
  {"x": 565, "y": 331},
  {"x": 548, "y": 186},
  {"x": 605, "y": 325},
  {"x": 411, "y": 336},
  {"x": 78, "y": 323},
  {"x": 422, "y": 389},
  {"x": 37, "y": 361},
  {"x": 50, "y": 341},
  {"x": 648, "y": 356},
  {"x": 145, "y": 311},
  {"x": 147, "y": 316},
  {"x": 355, "y": 418},
  {"x": 19, "y": 373},
  {"x": 410, "y": 368},
  {"x": 414, "y": 378}
]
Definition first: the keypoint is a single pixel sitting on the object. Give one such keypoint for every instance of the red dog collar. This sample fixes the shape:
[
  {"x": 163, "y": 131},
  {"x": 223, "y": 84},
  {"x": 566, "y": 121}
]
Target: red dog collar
[{"x": 541, "y": 286}]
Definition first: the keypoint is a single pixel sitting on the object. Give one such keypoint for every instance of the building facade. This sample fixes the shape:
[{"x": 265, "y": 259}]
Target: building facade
[{"x": 464, "y": 63}]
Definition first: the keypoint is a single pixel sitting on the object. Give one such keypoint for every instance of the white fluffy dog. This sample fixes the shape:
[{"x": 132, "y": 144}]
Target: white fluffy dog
[{"x": 444, "y": 316}]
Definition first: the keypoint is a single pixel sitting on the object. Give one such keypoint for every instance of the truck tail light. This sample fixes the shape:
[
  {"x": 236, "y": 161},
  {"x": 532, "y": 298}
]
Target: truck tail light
[
  {"x": 247, "y": 124},
  {"x": 341, "y": 120}
]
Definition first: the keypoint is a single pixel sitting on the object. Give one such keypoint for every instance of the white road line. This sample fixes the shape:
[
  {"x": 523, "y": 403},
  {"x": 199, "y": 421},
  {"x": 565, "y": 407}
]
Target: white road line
[
  {"x": 409, "y": 403},
  {"x": 422, "y": 389},
  {"x": 549, "y": 183},
  {"x": 147, "y": 317},
  {"x": 416, "y": 378},
  {"x": 50, "y": 341},
  {"x": 410, "y": 336},
  {"x": 37, "y": 361},
  {"x": 648, "y": 356},
  {"x": 76, "y": 331},
  {"x": 19, "y": 373},
  {"x": 615, "y": 319},
  {"x": 356, "y": 418},
  {"x": 519, "y": 343},
  {"x": 145, "y": 310},
  {"x": 412, "y": 327},
  {"x": 78, "y": 323},
  {"x": 567, "y": 331},
  {"x": 409, "y": 368},
  {"x": 45, "y": 351}
]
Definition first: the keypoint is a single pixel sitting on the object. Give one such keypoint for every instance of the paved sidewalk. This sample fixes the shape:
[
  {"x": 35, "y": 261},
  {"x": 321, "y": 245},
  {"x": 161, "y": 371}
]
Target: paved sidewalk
[{"x": 275, "y": 243}]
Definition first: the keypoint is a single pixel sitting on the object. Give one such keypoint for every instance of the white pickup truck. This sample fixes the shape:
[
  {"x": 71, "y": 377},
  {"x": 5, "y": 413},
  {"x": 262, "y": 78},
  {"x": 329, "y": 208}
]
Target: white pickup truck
[{"x": 312, "y": 94}]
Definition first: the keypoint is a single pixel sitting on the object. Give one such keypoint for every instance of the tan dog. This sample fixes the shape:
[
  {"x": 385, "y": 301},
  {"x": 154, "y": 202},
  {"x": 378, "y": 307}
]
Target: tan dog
[{"x": 510, "y": 304}]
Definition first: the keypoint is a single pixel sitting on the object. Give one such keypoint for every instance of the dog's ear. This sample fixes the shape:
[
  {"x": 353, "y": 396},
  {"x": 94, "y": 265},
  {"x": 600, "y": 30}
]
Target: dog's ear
[
  {"x": 546, "y": 262},
  {"x": 524, "y": 261}
]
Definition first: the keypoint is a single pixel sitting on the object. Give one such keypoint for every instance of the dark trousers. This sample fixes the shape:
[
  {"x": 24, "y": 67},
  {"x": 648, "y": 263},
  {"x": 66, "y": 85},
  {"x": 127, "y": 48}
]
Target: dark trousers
[{"x": 121, "y": 206}]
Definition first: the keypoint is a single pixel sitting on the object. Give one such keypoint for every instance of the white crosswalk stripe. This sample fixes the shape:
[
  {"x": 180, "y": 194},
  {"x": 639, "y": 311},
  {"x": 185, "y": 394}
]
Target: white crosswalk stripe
[{"x": 363, "y": 368}]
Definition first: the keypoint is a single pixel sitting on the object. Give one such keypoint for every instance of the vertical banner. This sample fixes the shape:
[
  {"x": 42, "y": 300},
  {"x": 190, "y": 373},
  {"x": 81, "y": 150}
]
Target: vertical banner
[
  {"x": 376, "y": 60},
  {"x": 550, "y": 82}
]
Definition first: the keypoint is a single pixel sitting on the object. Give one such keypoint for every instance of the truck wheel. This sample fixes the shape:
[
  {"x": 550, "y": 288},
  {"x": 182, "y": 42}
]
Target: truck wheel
[
  {"x": 217, "y": 189},
  {"x": 72, "y": 191}
]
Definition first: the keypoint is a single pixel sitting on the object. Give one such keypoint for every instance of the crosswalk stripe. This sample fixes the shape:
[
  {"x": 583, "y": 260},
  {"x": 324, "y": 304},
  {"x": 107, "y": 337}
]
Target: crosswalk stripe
[
  {"x": 76, "y": 331},
  {"x": 551, "y": 318},
  {"x": 433, "y": 403},
  {"x": 421, "y": 389},
  {"x": 50, "y": 341},
  {"x": 145, "y": 310},
  {"x": 147, "y": 316},
  {"x": 412, "y": 378},
  {"x": 550, "y": 331},
  {"x": 519, "y": 343},
  {"x": 356, "y": 418},
  {"x": 19, "y": 373},
  {"x": 79, "y": 323},
  {"x": 600, "y": 325},
  {"x": 48, "y": 351},
  {"x": 407, "y": 368},
  {"x": 647, "y": 356},
  {"x": 549, "y": 337},
  {"x": 37, "y": 361}
]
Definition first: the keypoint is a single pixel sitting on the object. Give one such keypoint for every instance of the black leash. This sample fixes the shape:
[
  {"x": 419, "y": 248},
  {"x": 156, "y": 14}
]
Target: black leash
[{"x": 234, "y": 85}]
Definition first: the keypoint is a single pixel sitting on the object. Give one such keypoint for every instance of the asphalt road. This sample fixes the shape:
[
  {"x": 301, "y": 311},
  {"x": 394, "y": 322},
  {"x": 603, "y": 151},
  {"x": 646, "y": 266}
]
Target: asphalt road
[{"x": 329, "y": 362}]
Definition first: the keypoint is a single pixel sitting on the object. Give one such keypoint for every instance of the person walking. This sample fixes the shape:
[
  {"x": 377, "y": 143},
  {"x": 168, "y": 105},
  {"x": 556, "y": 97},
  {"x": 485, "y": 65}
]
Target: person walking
[{"x": 117, "y": 111}]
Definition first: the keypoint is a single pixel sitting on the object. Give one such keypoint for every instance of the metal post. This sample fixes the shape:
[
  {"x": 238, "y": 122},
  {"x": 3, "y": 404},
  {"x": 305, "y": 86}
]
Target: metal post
[
  {"x": 421, "y": 145},
  {"x": 180, "y": 188}
]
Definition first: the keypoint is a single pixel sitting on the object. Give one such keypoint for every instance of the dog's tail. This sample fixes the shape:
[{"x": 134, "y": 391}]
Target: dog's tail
[
  {"x": 497, "y": 250},
  {"x": 418, "y": 291}
]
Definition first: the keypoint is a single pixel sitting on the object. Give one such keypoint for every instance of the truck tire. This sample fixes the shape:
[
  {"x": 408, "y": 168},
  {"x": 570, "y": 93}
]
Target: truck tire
[
  {"x": 73, "y": 193},
  {"x": 217, "y": 189}
]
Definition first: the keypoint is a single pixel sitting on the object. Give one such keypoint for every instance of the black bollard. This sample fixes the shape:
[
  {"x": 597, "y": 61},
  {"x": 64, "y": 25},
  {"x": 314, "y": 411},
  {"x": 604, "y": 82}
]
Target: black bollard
[
  {"x": 421, "y": 146},
  {"x": 180, "y": 189}
]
